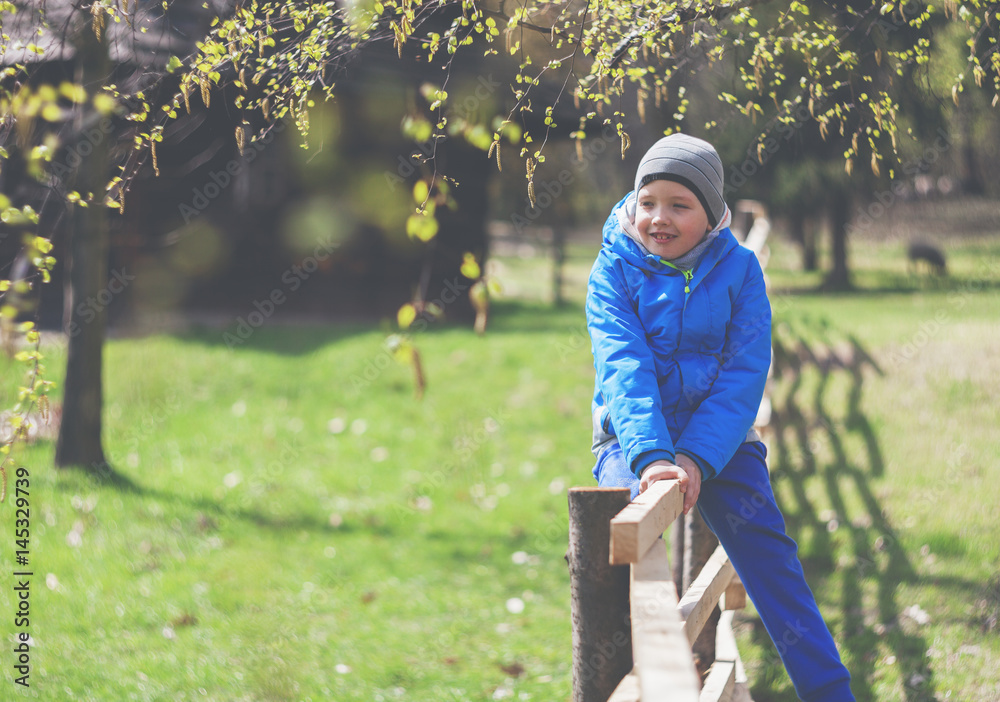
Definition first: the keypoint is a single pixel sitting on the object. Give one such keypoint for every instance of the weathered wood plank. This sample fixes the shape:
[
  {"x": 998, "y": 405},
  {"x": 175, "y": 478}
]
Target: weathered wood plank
[
  {"x": 735, "y": 596},
  {"x": 627, "y": 690},
  {"x": 698, "y": 602},
  {"x": 644, "y": 520},
  {"x": 663, "y": 659},
  {"x": 725, "y": 645},
  {"x": 726, "y": 650},
  {"x": 720, "y": 682},
  {"x": 701, "y": 545}
]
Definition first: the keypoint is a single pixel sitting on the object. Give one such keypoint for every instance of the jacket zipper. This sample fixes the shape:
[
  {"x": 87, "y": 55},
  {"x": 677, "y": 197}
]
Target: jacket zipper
[{"x": 688, "y": 274}]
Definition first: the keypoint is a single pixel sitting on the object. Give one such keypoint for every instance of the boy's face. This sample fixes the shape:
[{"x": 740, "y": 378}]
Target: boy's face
[{"x": 669, "y": 218}]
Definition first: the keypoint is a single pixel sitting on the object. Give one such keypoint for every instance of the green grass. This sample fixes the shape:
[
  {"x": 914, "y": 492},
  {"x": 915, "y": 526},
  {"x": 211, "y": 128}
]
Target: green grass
[
  {"x": 885, "y": 475},
  {"x": 259, "y": 550},
  {"x": 261, "y": 556}
]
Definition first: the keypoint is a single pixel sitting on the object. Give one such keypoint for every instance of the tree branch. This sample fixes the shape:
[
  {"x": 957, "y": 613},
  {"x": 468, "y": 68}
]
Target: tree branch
[{"x": 678, "y": 19}]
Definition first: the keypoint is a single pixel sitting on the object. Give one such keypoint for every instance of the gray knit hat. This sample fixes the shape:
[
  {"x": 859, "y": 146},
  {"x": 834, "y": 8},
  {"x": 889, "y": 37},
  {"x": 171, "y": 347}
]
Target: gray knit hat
[{"x": 692, "y": 162}]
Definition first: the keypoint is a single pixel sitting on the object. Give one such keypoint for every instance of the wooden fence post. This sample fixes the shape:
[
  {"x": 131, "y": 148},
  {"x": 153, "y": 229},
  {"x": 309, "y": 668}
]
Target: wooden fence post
[
  {"x": 677, "y": 549},
  {"x": 700, "y": 544},
  {"x": 602, "y": 625}
]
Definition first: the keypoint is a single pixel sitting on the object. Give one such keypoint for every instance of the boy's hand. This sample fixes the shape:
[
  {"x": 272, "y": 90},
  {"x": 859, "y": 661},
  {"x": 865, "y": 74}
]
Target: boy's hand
[{"x": 686, "y": 471}]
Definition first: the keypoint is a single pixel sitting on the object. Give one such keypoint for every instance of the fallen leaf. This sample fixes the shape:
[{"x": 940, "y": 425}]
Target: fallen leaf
[
  {"x": 514, "y": 670},
  {"x": 185, "y": 619}
]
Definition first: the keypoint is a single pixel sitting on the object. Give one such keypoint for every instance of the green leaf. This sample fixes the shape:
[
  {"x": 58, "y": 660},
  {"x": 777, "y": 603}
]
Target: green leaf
[
  {"x": 104, "y": 103},
  {"x": 420, "y": 191},
  {"x": 173, "y": 64},
  {"x": 407, "y": 313},
  {"x": 470, "y": 268},
  {"x": 51, "y": 112},
  {"x": 421, "y": 226},
  {"x": 73, "y": 92}
]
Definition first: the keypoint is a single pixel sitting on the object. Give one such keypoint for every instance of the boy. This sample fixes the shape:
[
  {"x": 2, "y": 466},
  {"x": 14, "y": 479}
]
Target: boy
[{"x": 680, "y": 326}]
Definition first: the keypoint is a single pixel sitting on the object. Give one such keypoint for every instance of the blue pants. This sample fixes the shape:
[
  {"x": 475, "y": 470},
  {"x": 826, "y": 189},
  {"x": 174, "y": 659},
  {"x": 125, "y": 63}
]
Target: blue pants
[{"x": 739, "y": 507}]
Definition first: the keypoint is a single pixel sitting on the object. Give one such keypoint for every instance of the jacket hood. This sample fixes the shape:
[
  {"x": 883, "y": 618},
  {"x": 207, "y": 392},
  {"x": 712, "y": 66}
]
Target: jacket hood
[{"x": 617, "y": 239}]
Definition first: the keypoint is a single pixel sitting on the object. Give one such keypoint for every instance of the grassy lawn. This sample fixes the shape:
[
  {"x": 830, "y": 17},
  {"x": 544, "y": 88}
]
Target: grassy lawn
[{"x": 299, "y": 526}]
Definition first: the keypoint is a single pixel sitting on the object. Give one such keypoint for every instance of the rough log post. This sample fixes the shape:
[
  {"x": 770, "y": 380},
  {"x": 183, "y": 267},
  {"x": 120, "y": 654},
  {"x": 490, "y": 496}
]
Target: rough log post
[
  {"x": 700, "y": 544},
  {"x": 602, "y": 627}
]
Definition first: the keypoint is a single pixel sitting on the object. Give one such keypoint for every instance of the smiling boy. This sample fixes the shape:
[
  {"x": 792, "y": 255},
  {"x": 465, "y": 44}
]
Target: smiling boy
[{"x": 681, "y": 334}]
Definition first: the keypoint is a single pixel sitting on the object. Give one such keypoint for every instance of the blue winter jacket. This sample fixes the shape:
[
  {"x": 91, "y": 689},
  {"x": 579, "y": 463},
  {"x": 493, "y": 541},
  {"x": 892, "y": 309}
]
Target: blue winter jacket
[{"x": 676, "y": 371}]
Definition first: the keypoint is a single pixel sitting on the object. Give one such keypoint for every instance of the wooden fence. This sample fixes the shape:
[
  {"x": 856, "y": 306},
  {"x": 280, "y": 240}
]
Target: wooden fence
[
  {"x": 642, "y": 651},
  {"x": 632, "y": 634}
]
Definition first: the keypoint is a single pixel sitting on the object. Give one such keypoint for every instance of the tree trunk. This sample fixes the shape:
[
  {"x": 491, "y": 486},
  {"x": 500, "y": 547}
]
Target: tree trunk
[
  {"x": 79, "y": 443},
  {"x": 972, "y": 179},
  {"x": 558, "y": 263},
  {"x": 839, "y": 277},
  {"x": 599, "y": 606},
  {"x": 804, "y": 233},
  {"x": 810, "y": 259}
]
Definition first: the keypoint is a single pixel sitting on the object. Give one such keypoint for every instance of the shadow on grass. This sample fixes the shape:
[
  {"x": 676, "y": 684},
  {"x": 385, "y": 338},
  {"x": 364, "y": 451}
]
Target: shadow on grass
[
  {"x": 890, "y": 283},
  {"x": 280, "y": 338},
  {"x": 108, "y": 478},
  {"x": 306, "y": 336},
  {"x": 811, "y": 451}
]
